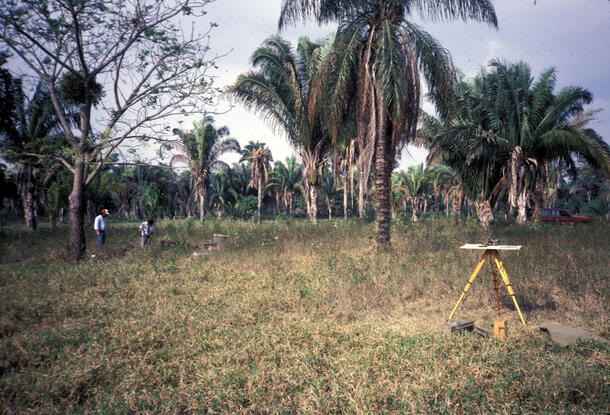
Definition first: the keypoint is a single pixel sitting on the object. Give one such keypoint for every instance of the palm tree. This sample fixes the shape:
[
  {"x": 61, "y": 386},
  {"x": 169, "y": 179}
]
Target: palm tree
[
  {"x": 99, "y": 193},
  {"x": 344, "y": 162},
  {"x": 443, "y": 181},
  {"x": 186, "y": 194},
  {"x": 513, "y": 128},
  {"x": 280, "y": 90},
  {"x": 454, "y": 140},
  {"x": 258, "y": 156},
  {"x": 286, "y": 180},
  {"x": 240, "y": 177},
  {"x": 414, "y": 184},
  {"x": 34, "y": 126},
  {"x": 331, "y": 193},
  {"x": 379, "y": 55},
  {"x": 200, "y": 149},
  {"x": 531, "y": 125},
  {"x": 221, "y": 192}
]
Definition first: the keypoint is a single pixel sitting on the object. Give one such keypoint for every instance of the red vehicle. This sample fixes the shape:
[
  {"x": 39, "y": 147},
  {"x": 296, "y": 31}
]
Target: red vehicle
[{"x": 560, "y": 216}]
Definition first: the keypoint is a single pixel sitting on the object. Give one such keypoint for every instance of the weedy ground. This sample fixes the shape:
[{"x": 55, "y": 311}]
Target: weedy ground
[{"x": 299, "y": 318}]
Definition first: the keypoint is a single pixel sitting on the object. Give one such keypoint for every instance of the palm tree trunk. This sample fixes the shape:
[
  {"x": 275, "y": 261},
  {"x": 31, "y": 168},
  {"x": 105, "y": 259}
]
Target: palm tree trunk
[
  {"x": 330, "y": 209},
  {"x": 351, "y": 186},
  {"x": 278, "y": 205},
  {"x": 202, "y": 195},
  {"x": 484, "y": 212},
  {"x": 313, "y": 199},
  {"x": 514, "y": 180},
  {"x": 260, "y": 199},
  {"x": 27, "y": 198},
  {"x": 366, "y": 125},
  {"x": 384, "y": 165},
  {"x": 24, "y": 187},
  {"x": 414, "y": 209},
  {"x": 308, "y": 199},
  {"x": 362, "y": 192},
  {"x": 522, "y": 206},
  {"x": 306, "y": 174},
  {"x": 538, "y": 199},
  {"x": 458, "y": 208},
  {"x": 345, "y": 195}
]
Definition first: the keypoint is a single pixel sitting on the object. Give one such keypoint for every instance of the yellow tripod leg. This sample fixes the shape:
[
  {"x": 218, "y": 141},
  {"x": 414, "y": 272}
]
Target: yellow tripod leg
[
  {"x": 494, "y": 274},
  {"x": 469, "y": 283},
  {"x": 507, "y": 282}
]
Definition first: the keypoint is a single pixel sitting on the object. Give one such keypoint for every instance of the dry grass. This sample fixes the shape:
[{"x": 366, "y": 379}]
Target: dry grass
[{"x": 296, "y": 318}]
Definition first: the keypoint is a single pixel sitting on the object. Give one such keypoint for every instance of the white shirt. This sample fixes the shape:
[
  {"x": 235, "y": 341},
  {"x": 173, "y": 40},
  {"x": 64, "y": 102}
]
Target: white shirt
[
  {"x": 100, "y": 223},
  {"x": 147, "y": 230}
]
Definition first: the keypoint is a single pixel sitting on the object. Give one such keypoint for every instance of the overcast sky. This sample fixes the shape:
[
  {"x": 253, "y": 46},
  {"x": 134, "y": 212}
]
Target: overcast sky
[{"x": 570, "y": 35}]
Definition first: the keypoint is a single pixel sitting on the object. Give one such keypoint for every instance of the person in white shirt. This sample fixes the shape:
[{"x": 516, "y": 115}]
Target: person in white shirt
[
  {"x": 100, "y": 229},
  {"x": 146, "y": 230}
]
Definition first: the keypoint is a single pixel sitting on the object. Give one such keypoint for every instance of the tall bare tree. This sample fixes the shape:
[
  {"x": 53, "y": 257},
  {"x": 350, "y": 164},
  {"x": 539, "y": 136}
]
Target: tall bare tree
[{"x": 125, "y": 61}]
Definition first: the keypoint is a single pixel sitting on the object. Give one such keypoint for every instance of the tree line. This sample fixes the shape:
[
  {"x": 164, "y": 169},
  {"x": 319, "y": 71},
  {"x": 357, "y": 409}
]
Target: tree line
[{"x": 503, "y": 142}]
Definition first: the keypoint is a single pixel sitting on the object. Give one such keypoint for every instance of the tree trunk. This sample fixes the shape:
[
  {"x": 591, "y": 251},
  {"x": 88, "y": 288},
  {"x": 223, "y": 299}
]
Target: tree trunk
[
  {"x": 330, "y": 209},
  {"x": 278, "y": 204},
  {"x": 362, "y": 193},
  {"x": 202, "y": 195},
  {"x": 290, "y": 204},
  {"x": 538, "y": 199},
  {"x": 76, "y": 213},
  {"x": 522, "y": 206},
  {"x": 351, "y": 187},
  {"x": 313, "y": 199},
  {"x": 307, "y": 197},
  {"x": 384, "y": 164},
  {"x": 345, "y": 195},
  {"x": 125, "y": 208},
  {"x": 484, "y": 212},
  {"x": 27, "y": 198},
  {"x": 306, "y": 174},
  {"x": 458, "y": 208},
  {"x": 414, "y": 217},
  {"x": 260, "y": 200}
]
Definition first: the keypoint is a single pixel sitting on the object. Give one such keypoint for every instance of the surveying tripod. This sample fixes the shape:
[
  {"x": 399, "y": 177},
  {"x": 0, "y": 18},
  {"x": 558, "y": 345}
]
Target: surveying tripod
[{"x": 491, "y": 254}]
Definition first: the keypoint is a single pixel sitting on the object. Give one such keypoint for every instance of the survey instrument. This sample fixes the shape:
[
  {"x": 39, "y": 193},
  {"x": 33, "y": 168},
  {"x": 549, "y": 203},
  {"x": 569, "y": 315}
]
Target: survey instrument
[{"x": 491, "y": 253}]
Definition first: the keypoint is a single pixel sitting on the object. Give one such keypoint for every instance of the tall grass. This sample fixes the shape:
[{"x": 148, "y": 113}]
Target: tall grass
[{"x": 299, "y": 318}]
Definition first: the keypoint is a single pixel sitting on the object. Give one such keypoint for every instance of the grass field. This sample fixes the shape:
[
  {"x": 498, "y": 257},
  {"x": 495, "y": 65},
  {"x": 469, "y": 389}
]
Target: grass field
[{"x": 299, "y": 318}]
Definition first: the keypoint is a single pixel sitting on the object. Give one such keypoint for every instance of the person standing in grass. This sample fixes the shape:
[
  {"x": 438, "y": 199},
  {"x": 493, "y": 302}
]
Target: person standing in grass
[
  {"x": 146, "y": 230},
  {"x": 100, "y": 229}
]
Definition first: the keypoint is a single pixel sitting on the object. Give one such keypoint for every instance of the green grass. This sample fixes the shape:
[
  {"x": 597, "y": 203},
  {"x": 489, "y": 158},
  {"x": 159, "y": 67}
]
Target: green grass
[{"x": 297, "y": 318}]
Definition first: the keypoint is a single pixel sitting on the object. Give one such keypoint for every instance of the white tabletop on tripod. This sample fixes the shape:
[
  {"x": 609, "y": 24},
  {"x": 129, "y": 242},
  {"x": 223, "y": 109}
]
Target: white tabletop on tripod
[{"x": 495, "y": 247}]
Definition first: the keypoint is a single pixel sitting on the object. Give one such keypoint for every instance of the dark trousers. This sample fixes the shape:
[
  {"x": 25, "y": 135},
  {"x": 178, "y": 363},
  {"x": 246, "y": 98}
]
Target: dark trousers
[{"x": 101, "y": 239}]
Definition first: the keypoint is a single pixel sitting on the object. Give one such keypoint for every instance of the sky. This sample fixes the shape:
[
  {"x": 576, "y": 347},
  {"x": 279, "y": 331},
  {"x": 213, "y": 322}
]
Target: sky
[{"x": 571, "y": 35}]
